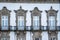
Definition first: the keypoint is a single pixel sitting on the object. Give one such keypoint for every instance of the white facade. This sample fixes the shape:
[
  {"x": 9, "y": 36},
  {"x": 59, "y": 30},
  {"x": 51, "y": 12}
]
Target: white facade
[{"x": 30, "y": 6}]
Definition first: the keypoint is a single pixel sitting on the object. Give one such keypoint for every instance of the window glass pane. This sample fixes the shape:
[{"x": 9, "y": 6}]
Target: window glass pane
[
  {"x": 52, "y": 22},
  {"x": 4, "y": 22},
  {"x": 2, "y": 17},
  {"x": 6, "y": 17},
  {"x": 36, "y": 21},
  {"x": 20, "y": 21}
]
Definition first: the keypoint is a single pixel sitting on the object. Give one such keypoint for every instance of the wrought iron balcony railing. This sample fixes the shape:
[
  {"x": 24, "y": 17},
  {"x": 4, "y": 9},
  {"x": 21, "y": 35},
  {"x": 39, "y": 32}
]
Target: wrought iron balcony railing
[
  {"x": 58, "y": 28},
  {"x": 12, "y": 28},
  {"x": 21, "y": 28},
  {"x": 5, "y": 28},
  {"x": 54, "y": 29},
  {"x": 29, "y": 28},
  {"x": 44, "y": 28},
  {"x": 36, "y": 28},
  {"x": 39, "y": 28}
]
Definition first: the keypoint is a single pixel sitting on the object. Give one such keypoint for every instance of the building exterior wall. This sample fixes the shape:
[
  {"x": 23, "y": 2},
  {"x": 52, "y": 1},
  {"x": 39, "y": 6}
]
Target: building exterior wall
[{"x": 30, "y": 35}]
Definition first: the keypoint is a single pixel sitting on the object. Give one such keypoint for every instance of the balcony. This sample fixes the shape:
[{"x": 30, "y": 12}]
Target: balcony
[
  {"x": 28, "y": 28},
  {"x": 12, "y": 28},
  {"x": 44, "y": 28},
  {"x": 15, "y": 28},
  {"x": 58, "y": 28},
  {"x": 6, "y": 28},
  {"x": 36, "y": 28},
  {"x": 20, "y": 28},
  {"x": 52, "y": 28},
  {"x": 55, "y": 29}
]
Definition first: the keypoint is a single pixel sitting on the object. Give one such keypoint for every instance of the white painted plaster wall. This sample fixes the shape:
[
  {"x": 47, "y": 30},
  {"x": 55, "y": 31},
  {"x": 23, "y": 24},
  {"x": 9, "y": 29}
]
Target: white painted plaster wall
[
  {"x": 28, "y": 35},
  {"x": 58, "y": 35},
  {"x": 12, "y": 36},
  {"x": 44, "y": 35}
]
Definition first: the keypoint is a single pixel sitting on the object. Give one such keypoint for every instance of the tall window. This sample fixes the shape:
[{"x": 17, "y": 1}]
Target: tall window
[
  {"x": 52, "y": 23},
  {"x": 4, "y": 22},
  {"x": 35, "y": 22},
  {"x": 20, "y": 22}
]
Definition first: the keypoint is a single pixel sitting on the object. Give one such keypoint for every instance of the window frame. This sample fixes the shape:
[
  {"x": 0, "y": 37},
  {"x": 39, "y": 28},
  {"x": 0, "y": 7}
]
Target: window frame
[
  {"x": 36, "y": 20},
  {"x": 4, "y": 22},
  {"x": 20, "y": 20},
  {"x": 52, "y": 21}
]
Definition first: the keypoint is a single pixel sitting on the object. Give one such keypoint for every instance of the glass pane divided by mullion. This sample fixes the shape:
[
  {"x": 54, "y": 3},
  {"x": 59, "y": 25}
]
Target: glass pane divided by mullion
[
  {"x": 4, "y": 22},
  {"x": 52, "y": 23},
  {"x": 35, "y": 22},
  {"x": 20, "y": 22}
]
